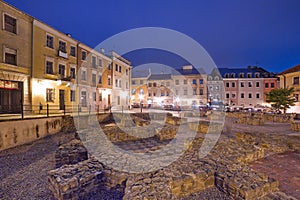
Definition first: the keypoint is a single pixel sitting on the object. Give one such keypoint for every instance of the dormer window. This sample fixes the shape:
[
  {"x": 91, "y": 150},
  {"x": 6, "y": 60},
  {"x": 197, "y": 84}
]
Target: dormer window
[
  {"x": 249, "y": 75},
  {"x": 232, "y": 75},
  {"x": 226, "y": 75},
  {"x": 257, "y": 75},
  {"x": 242, "y": 75}
]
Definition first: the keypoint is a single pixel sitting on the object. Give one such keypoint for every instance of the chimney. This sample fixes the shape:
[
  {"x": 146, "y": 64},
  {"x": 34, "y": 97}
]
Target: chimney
[{"x": 69, "y": 35}]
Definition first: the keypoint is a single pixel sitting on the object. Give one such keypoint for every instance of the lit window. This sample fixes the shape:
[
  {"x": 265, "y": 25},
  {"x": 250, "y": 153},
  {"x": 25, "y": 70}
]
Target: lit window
[{"x": 50, "y": 95}]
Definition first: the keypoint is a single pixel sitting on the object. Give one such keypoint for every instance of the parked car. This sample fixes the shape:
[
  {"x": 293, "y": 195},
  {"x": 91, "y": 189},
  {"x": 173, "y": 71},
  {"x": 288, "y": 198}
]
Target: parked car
[{"x": 168, "y": 107}]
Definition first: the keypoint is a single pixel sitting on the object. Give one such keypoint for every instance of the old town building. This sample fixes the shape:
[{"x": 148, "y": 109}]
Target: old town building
[{"x": 15, "y": 59}]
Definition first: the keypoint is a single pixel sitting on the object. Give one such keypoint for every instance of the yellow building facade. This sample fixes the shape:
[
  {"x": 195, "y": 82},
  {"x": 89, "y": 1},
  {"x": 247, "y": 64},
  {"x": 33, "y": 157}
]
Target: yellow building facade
[
  {"x": 54, "y": 68},
  {"x": 15, "y": 59}
]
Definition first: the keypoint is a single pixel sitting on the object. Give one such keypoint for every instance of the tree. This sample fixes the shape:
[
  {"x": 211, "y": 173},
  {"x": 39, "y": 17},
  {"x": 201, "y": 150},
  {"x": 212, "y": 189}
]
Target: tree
[{"x": 281, "y": 98}]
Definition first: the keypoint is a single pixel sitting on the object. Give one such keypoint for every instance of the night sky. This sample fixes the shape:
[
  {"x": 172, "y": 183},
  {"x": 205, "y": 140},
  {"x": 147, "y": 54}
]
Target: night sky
[{"x": 235, "y": 33}]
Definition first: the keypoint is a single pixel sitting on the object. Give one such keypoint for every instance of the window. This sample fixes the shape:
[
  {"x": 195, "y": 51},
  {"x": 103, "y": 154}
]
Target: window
[
  {"x": 149, "y": 94},
  {"x": 266, "y": 85},
  {"x": 133, "y": 91},
  {"x": 249, "y": 75},
  {"x": 116, "y": 67},
  {"x": 126, "y": 71},
  {"x": 94, "y": 79},
  {"x": 49, "y": 67},
  {"x": 272, "y": 85},
  {"x": 50, "y": 41},
  {"x": 242, "y": 75},
  {"x": 194, "y": 81},
  {"x": 226, "y": 75},
  {"x": 83, "y": 55},
  {"x": 227, "y": 84},
  {"x": 201, "y": 81},
  {"x": 109, "y": 67},
  {"x": 167, "y": 93},
  {"x": 296, "y": 96},
  {"x": 72, "y": 73},
  {"x": 162, "y": 93},
  {"x": 93, "y": 62},
  {"x": 100, "y": 96},
  {"x": 141, "y": 82},
  {"x": 233, "y": 84},
  {"x": 154, "y": 84},
  {"x": 127, "y": 86},
  {"x": 72, "y": 95},
  {"x": 116, "y": 82},
  {"x": 133, "y": 82},
  {"x": 227, "y": 95},
  {"x": 233, "y": 96},
  {"x": 250, "y": 95},
  {"x": 249, "y": 84},
  {"x": 201, "y": 91},
  {"x": 242, "y": 95},
  {"x": 257, "y": 75},
  {"x": 141, "y": 91},
  {"x": 73, "y": 51},
  {"x": 10, "y": 24},
  {"x": 242, "y": 84},
  {"x": 217, "y": 88},
  {"x": 176, "y": 82},
  {"x": 50, "y": 95},
  {"x": 184, "y": 81},
  {"x": 149, "y": 84},
  {"x": 99, "y": 79},
  {"x": 296, "y": 80},
  {"x": 61, "y": 70},
  {"x": 62, "y": 46},
  {"x": 232, "y": 75},
  {"x": 100, "y": 62},
  {"x": 194, "y": 91},
  {"x": 154, "y": 94},
  {"x": 83, "y": 99},
  {"x": 109, "y": 80},
  {"x": 119, "y": 100},
  {"x": 257, "y": 84},
  {"x": 120, "y": 68},
  {"x": 120, "y": 83},
  {"x": 185, "y": 92},
  {"x": 94, "y": 96},
  {"x": 257, "y": 95},
  {"x": 83, "y": 75},
  {"x": 11, "y": 57}
]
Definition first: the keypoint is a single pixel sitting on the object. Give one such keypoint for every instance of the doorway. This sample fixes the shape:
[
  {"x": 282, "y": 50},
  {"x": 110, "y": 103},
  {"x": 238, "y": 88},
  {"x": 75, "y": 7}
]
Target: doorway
[{"x": 61, "y": 99}]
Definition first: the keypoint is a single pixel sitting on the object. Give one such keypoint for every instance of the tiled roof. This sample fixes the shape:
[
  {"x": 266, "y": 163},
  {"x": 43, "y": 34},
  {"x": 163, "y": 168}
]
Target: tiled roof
[
  {"x": 194, "y": 71},
  {"x": 291, "y": 70},
  {"x": 252, "y": 70},
  {"x": 160, "y": 77}
]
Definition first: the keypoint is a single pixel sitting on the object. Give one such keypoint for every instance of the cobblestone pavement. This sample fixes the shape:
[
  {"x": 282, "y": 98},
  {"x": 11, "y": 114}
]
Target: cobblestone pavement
[{"x": 283, "y": 167}]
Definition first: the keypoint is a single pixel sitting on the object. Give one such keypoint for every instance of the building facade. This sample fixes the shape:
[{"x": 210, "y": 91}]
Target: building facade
[
  {"x": 15, "y": 59},
  {"x": 54, "y": 68},
  {"x": 288, "y": 79},
  {"x": 121, "y": 80},
  {"x": 246, "y": 86}
]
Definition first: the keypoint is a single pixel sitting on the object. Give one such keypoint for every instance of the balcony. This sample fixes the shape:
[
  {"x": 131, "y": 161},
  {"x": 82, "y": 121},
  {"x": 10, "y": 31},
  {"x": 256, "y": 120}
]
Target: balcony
[{"x": 62, "y": 54}]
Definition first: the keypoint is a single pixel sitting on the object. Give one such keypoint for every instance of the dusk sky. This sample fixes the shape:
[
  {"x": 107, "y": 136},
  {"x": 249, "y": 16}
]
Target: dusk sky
[{"x": 235, "y": 33}]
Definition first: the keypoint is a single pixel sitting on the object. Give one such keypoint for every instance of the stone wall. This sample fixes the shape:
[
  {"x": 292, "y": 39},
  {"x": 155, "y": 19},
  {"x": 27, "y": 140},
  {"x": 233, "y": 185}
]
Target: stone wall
[
  {"x": 281, "y": 118},
  {"x": 76, "y": 181},
  {"x": 295, "y": 125},
  {"x": 18, "y": 132},
  {"x": 251, "y": 120},
  {"x": 70, "y": 153}
]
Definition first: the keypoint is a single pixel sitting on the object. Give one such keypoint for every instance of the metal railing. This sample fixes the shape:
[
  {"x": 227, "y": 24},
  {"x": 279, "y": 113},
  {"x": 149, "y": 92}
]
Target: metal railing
[{"x": 51, "y": 109}]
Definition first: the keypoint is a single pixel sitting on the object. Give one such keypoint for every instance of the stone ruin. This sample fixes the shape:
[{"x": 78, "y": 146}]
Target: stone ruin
[{"x": 225, "y": 168}]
